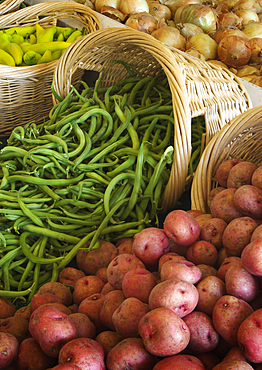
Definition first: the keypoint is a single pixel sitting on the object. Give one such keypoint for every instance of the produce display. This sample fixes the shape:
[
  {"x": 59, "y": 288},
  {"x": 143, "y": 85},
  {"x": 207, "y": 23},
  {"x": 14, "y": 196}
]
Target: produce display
[
  {"x": 30, "y": 45},
  {"x": 225, "y": 32}
]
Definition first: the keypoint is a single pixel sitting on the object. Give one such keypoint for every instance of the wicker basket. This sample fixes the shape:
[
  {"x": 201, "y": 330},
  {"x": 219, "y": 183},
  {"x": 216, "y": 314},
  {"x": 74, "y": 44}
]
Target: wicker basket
[
  {"x": 8, "y": 6},
  {"x": 196, "y": 87},
  {"x": 241, "y": 138},
  {"x": 25, "y": 92}
]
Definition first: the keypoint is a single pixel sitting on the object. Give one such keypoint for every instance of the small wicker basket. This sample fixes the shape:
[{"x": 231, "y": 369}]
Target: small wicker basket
[
  {"x": 25, "y": 92},
  {"x": 241, "y": 138},
  {"x": 9, "y": 6},
  {"x": 196, "y": 87}
]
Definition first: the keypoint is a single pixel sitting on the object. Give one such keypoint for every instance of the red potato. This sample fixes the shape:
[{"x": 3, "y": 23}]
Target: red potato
[
  {"x": 7, "y": 308},
  {"x": 233, "y": 365},
  {"x": 91, "y": 261},
  {"x": 123, "y": 246},
  {"x": 39, "y": 299},
  {"x": 17, "y": 326},
  {"x": 138, "y": 283},
  {"x": 178, "y": 249},
  {"x": 171, "y": 256},
  {"x": 119, "y": 266},
  {"x": 9, "y": 348},
  {"x": 180, "y": 362},
  {"x": 248, "y": 199},
  {"x": 221, "y": 272},
  {"x": 51, "y": 329},
  {"x": 58, "y": 290},
  {"x": 195, "y": 212},
  {"x": 227, "y": 315},
  {"x": 202, "y": 252},
  {"x": 130, "y": 353},
  {"x": 108, "y": 339},
  {"x": 127, "y": 316},
  {"x": 107, "y": 288},
  {"x": 203, "y": 218},
  {"x": 150, "y": 244},
  {"x": 181, "y": 227},
  {"x": 111, "y": 301},
  {"x": 207, "y": 270},
  {"x": 24, "y": 312},
  {"x": 213, "y": 193},
  {"x": 69, "y": 276},
  {"x": 223, "y": 170},
  {"x": 73, "y": 308},
  {"x": 176, "y": 294},
  {"x": 91, "y": 307},
  {"x": 59, "y": 306},
  {"x": 209, "y": 359},
  {"x": 240, "y": 174},
  {"x": 209, "y": 290},
  {"x": 101, "y": 273},
  {"x": 221, "y": 256},
  {"x": 203, "y": 336},
  {"x": 249, "y": 336},
  {"x": 235, "y": 353},
  {"x": 87, "y": 286},
  {"x": 257, "y": 233},
  {"x": 238, "y": 234},
  {"x": 241, "y": 283},
  {"x": 85, "y": 328},
  {"x": 86, "y": 353},
  {"x": 65, "y": 367},
  {"x": 32, "y": 357},
  {"x": 256, "y": 179},
  {"x": 183, "y": 270},
  {"x": 163, "y": 332},
  {"x": 251, "y": 257},
  {"x": 212, "y": 231},
  {"x": 223, "y": 206}
]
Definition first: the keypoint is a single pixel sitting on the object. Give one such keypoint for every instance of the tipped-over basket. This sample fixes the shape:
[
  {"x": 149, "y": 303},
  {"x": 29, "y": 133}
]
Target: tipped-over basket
[
  {"x": 197, "y": 88},
  {"x": 241, "y": 138},
  {"x": 8, "y": 6},
  {"x": 25, "y": 92}
]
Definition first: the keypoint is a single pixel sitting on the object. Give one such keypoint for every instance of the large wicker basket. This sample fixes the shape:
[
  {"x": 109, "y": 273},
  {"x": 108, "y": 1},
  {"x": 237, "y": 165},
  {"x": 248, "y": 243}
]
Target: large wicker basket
[
  {"x": 241, "y": 138},
  {"x": 25, "y": 92},
  {"x": 196, "y": 87},
  {"x": 8, "y": 6}
]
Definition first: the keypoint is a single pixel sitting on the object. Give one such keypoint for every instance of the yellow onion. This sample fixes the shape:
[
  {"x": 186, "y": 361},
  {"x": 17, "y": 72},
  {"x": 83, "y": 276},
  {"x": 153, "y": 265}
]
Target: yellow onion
[
  {"x": 247, "y": 16},
  {"x": 248, "y": 5},
  {"x": 188, "y": 29},
  {"x": 175, "y": 4},
  {"x": 217, "y": 63},
  {"x": 133, "y": 6},
  {"x": 195, "y": 53},
  {"x": 144, "y": 22},
  {"x": 160, "y": 11},
  {"x": 228, "y": 19},
  {"x": 113, "y": 3},
  {"x": 253, "y": 29},
  {"x": 204, "y": 44},
  {"x": 201, "y": 15},
  {"x": 229, "y": 31},
  {"x": 260, "y": 17},
  {"x": 234, "y": 51},
  {"x": 230, "y": 3},
  {"x": 257, "y": 81},
  {"x": 248, "y": 70},
  {"x": 113, "y": 13},
  {"x": 170, "y": 36},
  {"x": 256, "y": 50}
]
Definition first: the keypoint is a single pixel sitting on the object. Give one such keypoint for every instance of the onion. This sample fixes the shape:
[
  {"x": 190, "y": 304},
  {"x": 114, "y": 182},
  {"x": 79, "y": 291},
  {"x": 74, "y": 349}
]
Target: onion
[
  {"x": 247, "y": 5},
  {"x": 204, "y": 44},
  {"x": 253, "y": 29},
  {"x": 247, "y": 16},
  {"x": 175, "y": 4},
  {"x": 198, "y": 14},
  {"x": 248, "y": 70},
  {"x": 188, "y": 29},
  {"x": 230, "y": 3},
  {"x": 113, "y": 13},
  {"x": 257, "y": 81},
  {"x": 256, "y": 50},
  {"x": 144, "y": 22},
  {"x": 234, "y": 51},
  {"x": 217, "y": 63},
  {"x": 113, "y": 3},
  {"x": 170, "y": 36},
  {"x": 133, "y": 6},
  {"x": 195, "y": 53},
  {"x": 160, "y": 11},
  {"x": 230, "y": 31},
  {"x": 229, "y": 19}
]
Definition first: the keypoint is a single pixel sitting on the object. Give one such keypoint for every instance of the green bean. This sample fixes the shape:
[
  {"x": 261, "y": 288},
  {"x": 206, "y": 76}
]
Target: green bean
[
  {"x": 16, "y": 294},
  {"x": 37, "y": 181}
]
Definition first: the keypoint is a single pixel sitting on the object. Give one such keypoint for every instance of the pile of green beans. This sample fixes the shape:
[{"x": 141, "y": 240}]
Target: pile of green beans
[
  {"x": 95, "y": 170},
  {"x": 198, "y": 132}
]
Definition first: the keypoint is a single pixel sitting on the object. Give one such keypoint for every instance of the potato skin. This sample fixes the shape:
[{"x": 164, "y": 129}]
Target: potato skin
[
  {"x": 9, "y": 348},
  {"x": 7, "y": 308},
  {"x": 58, "y": 290},
  {"x": 248, "y": 199},
  {"x": 223, "y": 206},
  {"x": 180, "y": 362},
  {"x": 108, "y": 339},
  {"x": 223, "y": 170},
  {"x": 84, "y": 326},
  {"x": 69, "y": 276},
  {"x": 17, "y": 326},
  {"x": 241, "y": 174},
  {"x": 251, "y": 257},
  {"x": 184, "y": 270},
  {"x": 138, "y": 283},
  {"x": 209, "y": 290},
  {"x": 233, "y": 365},
  {"x": 212, "y": 231},
  {"x": 111, "y": 301},
  {"x": 256, "y": 179},
  {"x": 202, "y": 251},
  {"x": 87, "y": 286}
]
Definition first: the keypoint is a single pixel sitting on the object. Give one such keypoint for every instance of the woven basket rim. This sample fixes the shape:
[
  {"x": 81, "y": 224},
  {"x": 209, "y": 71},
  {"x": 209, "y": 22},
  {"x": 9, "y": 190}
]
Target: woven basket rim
[{"x": 9, "y": 5}]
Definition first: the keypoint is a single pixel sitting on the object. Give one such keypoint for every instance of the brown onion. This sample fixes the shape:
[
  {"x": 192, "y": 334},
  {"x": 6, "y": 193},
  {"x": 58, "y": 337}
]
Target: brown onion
[
  {"x": 160, "y": 11},
  {"x": 228, "y": 19},
  {"x": 113, "y": 13},
  {"x": 144, "y": 22},
  {"x": 170, "y": 36},
  {"x": 248, "y": 5},
  {"x": 204, "y": 44},
  {"x": 195, "y": 53},
  {"x": 230, "y": 3},
  {"x": 113, "y": 3},
  {"x": 175, "y": 4},
  {"x": 133, "y": 6},
  {"x": 253, "y": 29},
  {"x": 256, "y": 50},
  {"x": 247, "y": 16},
  {"x": 234, "y": 51},
  {"x": 229, "y": 31},
  {"x": 188, "y": 29}
]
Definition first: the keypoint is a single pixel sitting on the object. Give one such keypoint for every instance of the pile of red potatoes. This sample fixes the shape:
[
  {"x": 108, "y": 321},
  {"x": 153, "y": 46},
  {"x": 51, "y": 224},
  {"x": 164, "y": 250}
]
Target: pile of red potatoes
[{"x": 185, "y": 296}]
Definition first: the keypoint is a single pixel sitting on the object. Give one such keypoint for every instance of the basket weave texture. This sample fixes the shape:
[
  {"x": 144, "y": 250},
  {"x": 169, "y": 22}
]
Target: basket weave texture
[
  {"x": 196, "y": 87},
  {"x": 241, "y": 138},
  {"x": 25, "y": 92},
  {"x": 8, "y": 6}
]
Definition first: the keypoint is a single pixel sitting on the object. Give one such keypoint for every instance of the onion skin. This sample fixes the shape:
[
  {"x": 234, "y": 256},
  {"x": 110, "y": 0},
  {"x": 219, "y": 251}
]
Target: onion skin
[
  {"x": 170, "y": 36},
  {"x": 253, "y": 29},
  {"x": 224, "y": 32},
  {"x": 100, "y": 3},
  {"x": 247, "y": 16},
  {"x": 160, "y": 11},
  {"x": 256, "y": 50},
  {"x": 248, "y": 5},
  {"x": 228, "y": 19},
  {"x": 133, "y": 6},
  {"x": 188, "y": 29},
  {"x": 144, "y": 22},
  {"x": 204, "y": 44},
  {"x": 234, "y": 51}
]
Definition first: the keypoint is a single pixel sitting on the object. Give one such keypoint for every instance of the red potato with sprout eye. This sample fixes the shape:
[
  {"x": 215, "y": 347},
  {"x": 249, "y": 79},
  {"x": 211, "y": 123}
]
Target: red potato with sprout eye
[
  {"x": 163, "y": 332},
  {"x": 9, "y": 348},
  {"x": 91, "y": 307},
  {"x": 212, "y": 231},
  {"x": 183, "y": 270},
  {"x": 150, "y": 244},
  {"x": 181, "y": 227},
  {"x": 176, "y": 294},
  {"x": 87, "y": 286}
]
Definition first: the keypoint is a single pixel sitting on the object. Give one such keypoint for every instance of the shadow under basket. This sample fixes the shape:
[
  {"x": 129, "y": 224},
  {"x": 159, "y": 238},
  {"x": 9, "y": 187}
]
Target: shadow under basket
[
  {"x": 25, "y": 92},
  {"x": 240, "y": 138}
]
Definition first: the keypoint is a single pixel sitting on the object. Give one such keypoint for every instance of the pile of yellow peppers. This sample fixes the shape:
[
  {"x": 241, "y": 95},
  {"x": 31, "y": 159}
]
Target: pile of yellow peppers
[{"x": 30, "y": 45}]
